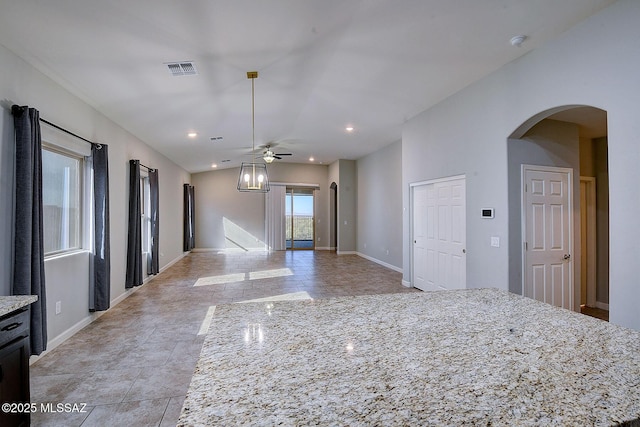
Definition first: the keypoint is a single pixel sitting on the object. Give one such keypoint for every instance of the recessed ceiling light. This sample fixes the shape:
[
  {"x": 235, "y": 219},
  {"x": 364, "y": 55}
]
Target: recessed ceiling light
[
  {"x": 517, "y": 40},
  {"x": 311, "y": 159},
  {"x": 192, "y": 134},
  {"x": 214, "y": 165},
  {"x": 349, "y": 128}
]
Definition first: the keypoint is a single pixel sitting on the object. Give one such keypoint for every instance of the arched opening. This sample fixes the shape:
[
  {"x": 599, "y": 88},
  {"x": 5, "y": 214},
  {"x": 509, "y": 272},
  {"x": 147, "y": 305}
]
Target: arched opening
[
  {"x": 333, "y": 217},
  {"x": 570, "y": 138}
]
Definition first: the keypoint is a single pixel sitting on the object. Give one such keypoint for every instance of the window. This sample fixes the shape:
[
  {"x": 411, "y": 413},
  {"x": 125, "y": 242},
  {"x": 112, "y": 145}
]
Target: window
[
  {"x": 145, "y": 211},
  {"x": 61, "y": 200}
]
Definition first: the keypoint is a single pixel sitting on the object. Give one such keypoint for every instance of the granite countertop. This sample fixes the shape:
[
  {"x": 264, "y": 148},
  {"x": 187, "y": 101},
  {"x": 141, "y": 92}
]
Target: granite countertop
[
  {"x": 481, "y": 356},
  {"x": 12, "y": 303}
]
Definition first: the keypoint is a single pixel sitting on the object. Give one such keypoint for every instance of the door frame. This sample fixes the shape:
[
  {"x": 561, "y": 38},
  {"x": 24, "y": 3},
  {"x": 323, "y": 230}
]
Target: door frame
[
  {"x": 411, "y": 216},
  {"x": 290, "y": 189},
  {"x": 590, "y": 256},
  {"x": 570, "y": 230}
]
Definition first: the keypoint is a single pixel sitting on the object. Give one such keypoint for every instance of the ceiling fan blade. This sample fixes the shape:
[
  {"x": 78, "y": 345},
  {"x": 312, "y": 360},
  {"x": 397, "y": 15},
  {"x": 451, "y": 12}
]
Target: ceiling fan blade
[
  {"x": 277, "y": 157},
  {"x": 283, "y": 154}
]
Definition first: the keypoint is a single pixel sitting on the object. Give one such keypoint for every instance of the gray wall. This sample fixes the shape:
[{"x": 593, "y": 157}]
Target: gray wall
[
  {"x": 595, "y": 63},
  {"x": 218, "y": 201},
  {"x": 347, "y": 206},
  {"x": 67, "y": 276},
  {"x": 344, "y": 173},
  {"x": 549, "y": 143},
  {"x": 7, "y": 151},
  {"x": 379, "y": 228},
  {"x": 601, "y": 173}
]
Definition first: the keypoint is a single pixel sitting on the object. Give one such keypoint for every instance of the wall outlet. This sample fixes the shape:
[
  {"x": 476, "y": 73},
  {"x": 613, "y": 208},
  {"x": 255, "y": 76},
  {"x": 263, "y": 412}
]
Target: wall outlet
[{"x": 58, "y": 307}]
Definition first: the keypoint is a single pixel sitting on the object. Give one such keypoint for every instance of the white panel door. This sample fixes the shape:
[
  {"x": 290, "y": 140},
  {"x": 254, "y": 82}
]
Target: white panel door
[
  {"x": 419, "y": 237},
  {"x": 442, "y": 221},
  {"x": 547, "y": 229}
]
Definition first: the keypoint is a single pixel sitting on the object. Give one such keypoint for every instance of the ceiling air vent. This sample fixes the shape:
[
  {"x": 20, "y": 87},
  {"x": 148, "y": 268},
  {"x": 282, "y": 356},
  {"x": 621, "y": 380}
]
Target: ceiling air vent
[{"x": 185, "y": 68}]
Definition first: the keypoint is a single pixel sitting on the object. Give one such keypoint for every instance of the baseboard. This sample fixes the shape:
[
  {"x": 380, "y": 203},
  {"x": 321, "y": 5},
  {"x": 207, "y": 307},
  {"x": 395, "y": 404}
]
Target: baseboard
[
  {"x": 229, "y": 250},
  {"x": 56, "y": 341},
  {"x": 323, "y": 248},
  {"x": 406, "y": 284},
  {"x": 170, "y": 263},
  {"x": 382, "y": 263},
  {"x": 602, "y": 305},
  {"x": 347, "y": 253},
  {"x": 197, "y": 250}
]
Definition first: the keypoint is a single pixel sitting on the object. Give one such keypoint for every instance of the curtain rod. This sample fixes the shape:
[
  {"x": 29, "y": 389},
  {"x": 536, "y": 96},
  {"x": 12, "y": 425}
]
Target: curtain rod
[
  {"x": 148, "y": 168},
  {"x": 70, "y": 133}
]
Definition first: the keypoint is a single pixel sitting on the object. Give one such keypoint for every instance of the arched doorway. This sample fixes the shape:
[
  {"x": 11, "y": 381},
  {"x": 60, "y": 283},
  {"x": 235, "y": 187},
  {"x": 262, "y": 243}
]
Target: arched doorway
[{"x": 575, "y": 138}]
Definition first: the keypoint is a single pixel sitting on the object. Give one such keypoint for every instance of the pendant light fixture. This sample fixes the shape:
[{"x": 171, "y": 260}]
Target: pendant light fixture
[{"x": 253, "y": 176}]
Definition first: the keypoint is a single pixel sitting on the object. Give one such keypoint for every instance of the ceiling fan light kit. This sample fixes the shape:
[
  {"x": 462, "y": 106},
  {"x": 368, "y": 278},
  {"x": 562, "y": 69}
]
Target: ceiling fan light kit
[
  {"x": 269, "y": 156},
  {"x": 253, "y": 176}
]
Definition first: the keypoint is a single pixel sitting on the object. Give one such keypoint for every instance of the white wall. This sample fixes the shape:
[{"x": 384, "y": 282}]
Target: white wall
[
  {"x": 217, "y": 199},
  {"x": 595, "y": 63},
  {"x": 67, "y": 277},
  {"x": 379, "y": 207}
]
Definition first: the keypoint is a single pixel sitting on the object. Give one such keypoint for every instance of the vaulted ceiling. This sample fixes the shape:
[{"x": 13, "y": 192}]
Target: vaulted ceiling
[{"x": 324, "y": 65}]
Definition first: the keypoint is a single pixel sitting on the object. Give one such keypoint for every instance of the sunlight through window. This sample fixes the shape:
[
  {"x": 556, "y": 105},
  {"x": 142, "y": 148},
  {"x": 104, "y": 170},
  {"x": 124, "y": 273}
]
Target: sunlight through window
[
  {"x": 241, "y": 277},
  {"x": 293, "y": 296},
  {"x": 204, "y": 327},
  {"x": 268, "y": 274},
  {"x": 219, "y": 280}
]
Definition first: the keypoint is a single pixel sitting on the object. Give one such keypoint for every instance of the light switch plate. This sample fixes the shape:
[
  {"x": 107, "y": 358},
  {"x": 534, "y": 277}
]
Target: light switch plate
[{"x": 495, "y": 242}]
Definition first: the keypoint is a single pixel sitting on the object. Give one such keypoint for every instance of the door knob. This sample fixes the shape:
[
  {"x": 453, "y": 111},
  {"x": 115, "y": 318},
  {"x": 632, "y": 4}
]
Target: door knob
[{"x": 566, "y": 256}]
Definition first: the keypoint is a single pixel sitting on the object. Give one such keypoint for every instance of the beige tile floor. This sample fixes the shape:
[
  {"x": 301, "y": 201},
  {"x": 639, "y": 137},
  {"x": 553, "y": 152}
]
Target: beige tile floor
[{"x": 133, "y": 365}]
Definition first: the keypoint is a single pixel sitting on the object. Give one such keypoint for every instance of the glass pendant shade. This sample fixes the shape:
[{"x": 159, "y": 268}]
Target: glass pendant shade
[{"x": 253, "y": 178}]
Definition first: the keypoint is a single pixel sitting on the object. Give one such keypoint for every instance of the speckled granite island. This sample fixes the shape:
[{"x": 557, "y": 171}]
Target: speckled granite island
[
  {"x": 9, "y": 304},
  {"x": 474, "y": 357}
]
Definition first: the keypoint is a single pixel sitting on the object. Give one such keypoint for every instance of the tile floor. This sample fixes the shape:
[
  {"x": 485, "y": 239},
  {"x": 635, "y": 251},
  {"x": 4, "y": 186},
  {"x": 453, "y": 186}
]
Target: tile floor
[{"x": 133, "y": 365}]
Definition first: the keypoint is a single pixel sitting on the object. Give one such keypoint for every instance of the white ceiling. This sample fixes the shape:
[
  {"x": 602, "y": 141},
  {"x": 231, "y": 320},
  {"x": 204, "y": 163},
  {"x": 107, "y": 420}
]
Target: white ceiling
[{"x": 324, "y": 64}]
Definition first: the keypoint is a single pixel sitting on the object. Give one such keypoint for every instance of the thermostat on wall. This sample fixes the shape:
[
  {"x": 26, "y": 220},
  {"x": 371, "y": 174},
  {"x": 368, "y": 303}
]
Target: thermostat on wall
[{"x": 487, "y": 212}]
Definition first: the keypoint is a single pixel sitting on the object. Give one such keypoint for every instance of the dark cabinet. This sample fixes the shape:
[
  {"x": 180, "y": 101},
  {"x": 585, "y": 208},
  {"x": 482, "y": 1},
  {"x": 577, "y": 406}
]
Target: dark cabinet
[{"x": 14, "y": 366}]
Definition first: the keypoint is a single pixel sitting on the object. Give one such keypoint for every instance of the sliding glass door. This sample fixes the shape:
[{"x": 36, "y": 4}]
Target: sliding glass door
[{"x": 300, "y": 229}]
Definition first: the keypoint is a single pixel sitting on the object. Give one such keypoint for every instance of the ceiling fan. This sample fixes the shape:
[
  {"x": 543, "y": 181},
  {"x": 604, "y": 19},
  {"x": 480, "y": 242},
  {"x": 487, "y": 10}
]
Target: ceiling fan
[{"x": 269, "y": 156}]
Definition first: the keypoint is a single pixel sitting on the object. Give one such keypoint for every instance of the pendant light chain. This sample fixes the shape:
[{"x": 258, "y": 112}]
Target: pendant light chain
[{"x": 253, "y": 117}]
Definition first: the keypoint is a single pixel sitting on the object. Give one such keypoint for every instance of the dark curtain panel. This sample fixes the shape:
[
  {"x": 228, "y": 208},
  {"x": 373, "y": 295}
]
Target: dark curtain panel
[
  {"x": 102, "y": 247},
  {"x": 28, "y": 264},
  {"x": 192, "y": 216},
  {"x": 189, "y": 218},
  {"x": 134, "y": 243},
  {"x": 154, "y": 267}
]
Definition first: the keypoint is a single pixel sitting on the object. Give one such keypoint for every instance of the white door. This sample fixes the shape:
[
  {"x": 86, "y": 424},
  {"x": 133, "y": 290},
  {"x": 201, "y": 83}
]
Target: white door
[
  {"x": 439, "y": 225},
  {"x": 547, "y": 231},
  {"x": 419, "y": 237}
]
